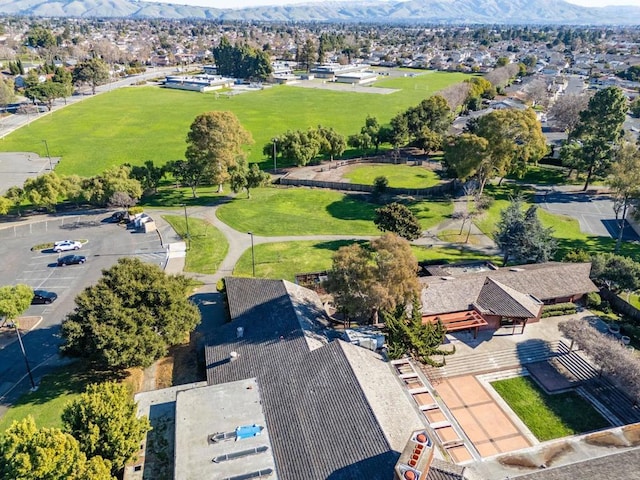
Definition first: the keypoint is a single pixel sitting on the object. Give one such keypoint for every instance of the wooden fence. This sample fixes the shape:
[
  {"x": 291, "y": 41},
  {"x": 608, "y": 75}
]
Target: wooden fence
[{"x": 620, "y": 305}]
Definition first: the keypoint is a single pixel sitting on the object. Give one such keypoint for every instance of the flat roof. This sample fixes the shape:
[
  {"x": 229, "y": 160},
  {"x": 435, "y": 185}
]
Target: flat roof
[{"x": 206, "y": 442}]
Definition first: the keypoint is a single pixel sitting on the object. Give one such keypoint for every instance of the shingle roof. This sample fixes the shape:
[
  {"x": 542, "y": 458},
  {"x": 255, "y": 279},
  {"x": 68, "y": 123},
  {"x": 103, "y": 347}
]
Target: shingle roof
[
  {"x": 543, "y": 280},
  {"x": 625, "y": 465},
  {"x": 498, "y": 299},
  {"x": 319, "y": 419}
]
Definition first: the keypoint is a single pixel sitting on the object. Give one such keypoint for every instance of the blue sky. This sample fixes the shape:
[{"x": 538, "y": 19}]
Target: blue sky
[{"x": 252, "y": 3}]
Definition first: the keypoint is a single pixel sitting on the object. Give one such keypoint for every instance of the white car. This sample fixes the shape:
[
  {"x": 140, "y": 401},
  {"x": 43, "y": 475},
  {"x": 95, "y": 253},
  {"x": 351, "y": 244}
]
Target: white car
[{"x": 66, "y": 245}]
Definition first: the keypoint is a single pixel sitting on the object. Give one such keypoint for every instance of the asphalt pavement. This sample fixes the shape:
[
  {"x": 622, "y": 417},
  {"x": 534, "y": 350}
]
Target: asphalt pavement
[{"x": 104, "y": 244}]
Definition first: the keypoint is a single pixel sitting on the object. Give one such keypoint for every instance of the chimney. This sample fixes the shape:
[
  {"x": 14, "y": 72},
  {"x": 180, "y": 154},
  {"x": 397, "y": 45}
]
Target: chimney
[
  {"x": 233, "y": 356},
  {"x": 239, "y": 332}
]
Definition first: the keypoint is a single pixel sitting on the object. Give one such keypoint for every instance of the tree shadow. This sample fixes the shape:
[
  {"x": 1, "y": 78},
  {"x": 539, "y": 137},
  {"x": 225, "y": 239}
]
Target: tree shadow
[{"x": 352, "y": 207}]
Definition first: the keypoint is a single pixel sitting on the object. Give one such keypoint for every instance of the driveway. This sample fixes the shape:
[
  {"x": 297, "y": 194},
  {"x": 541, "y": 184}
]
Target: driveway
[
  {"x": 594, "y": 212},
  {"x": 105, "y": 243}
]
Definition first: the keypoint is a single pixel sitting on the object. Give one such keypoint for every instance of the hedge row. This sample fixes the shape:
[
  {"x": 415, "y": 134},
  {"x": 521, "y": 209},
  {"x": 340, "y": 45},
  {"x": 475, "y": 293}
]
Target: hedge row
[{"x": 558, "y": 309}]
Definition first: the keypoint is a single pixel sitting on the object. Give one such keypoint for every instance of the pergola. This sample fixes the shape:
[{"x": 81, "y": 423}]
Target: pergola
[{"x": 457, "y": 321}]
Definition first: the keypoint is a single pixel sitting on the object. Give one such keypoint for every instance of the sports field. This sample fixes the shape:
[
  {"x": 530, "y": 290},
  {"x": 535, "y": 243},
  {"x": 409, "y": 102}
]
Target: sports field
[{"x": 131, "y": 125}]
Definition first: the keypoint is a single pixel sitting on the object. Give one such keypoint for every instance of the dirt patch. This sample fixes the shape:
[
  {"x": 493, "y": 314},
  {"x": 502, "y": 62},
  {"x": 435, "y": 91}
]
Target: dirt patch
[
  {"x": 554, "y": 452},
  {"x": 135, "y": 378},
  {"x": 606, "y": 439},
  {"x": 520, "y": 461},
  {"x": 632, "y": 434}
]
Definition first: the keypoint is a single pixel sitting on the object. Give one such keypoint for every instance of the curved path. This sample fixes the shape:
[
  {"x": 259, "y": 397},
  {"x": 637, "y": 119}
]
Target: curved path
[{"x": 239, "y": 242}]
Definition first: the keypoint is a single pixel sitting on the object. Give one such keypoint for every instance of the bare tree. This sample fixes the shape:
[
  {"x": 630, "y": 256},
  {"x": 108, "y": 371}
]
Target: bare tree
[{"x": 565, "y": 111}]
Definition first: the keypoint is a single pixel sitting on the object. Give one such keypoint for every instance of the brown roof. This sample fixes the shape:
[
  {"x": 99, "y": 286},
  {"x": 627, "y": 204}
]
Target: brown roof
[
  {"x": 544, "y": 281},
  {"x": 498, "y": 299}
]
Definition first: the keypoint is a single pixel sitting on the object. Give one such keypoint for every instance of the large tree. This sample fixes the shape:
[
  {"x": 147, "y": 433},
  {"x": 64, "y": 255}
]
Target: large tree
[
  {"x": 7, "y": 92},
  {"x": 46, "y": 92},
  {"x": 466, "y": 156},
  {"x": 616, "y": 272},
  {"x": 515, "y": 140},
  {"x": 99, "y": 189},
  {"x": 104, "y": 421},
  {"x": 597, "y": 134},
  {"x": 624, "y": 180},
  {"x": 130, "y": 317},
  {"x": 93, "y": 72},
  {"x": 148, "y": 175},
  {"x": 365, "y": 281},
  {"x": 521, "y": 236},
  {"x": 398, "y": 219},
  {"x": 29, "y": 453},
  {"x": 45, "y": 190},
  {"x": 214, "y": 143}
]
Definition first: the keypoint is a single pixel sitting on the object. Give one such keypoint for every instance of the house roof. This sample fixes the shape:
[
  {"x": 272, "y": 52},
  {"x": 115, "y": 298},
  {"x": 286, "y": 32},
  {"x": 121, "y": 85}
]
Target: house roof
[
  {"x": 319, "y": 413},
  {"x": 498, "y": 299},
  {"x": 544, "y": 281}
]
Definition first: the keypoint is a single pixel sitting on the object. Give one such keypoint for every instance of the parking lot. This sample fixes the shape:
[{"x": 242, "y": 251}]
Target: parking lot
[{"x": 103, "y": 244}]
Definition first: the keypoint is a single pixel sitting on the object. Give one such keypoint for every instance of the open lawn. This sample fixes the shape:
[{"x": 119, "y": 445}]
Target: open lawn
[
  {"x": 399, "y": 176},
  {"x": 286, "y": 259},
  {"x": 45, "y": 405},
  {"x": 207, "y": 245},
  {"x": 549, "y": 416},
  {"x": 444, "y": 255},
  {"x": 304, "y": 211},
  {"x": 132, "y": 125},
  {"x": 299, "y": 211}
]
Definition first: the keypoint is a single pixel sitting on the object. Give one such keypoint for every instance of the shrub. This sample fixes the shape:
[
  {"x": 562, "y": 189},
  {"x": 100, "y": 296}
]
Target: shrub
[
  {"x": 558, "y": 309},
  {"x": 135, "y": 210},
  {"x": 484, "y": 202},
  {"x": 593, "y": 300},
  {"x": 380, "y": 185},
  {"x": 220, "y": 285}
]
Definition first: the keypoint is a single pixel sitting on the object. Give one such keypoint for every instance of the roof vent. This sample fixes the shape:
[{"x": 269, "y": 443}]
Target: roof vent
[
  {"x": 239, "y": 332},
  {"x": 233, "y": 356},
  {"x": 447, "y": 278},
  {"x": 515, "y": 269}
]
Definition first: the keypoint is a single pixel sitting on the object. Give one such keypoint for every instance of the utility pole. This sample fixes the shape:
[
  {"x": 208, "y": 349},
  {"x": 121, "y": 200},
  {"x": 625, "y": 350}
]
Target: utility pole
[{"x": 48, "y": 154}]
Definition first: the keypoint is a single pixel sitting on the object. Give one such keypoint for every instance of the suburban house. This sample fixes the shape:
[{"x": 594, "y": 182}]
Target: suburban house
[{"x": 488, "y": 298}]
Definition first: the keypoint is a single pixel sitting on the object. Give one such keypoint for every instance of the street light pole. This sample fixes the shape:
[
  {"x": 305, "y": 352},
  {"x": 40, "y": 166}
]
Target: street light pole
[
  {"x": 48, "y": 155},
  {"x": 275, "y": 140},
  {"x": 24, "y": 354},
  {"x": 253, "y": 256},
  {"x": 186, "y": 221}
]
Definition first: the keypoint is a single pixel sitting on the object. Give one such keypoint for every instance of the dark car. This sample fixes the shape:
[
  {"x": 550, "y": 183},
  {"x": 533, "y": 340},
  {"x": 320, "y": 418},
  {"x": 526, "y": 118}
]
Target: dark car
[
  {"x": 42, "y": 296},
  {"x": 71, "y": 260},
  {"x": 119, "y": 216}
]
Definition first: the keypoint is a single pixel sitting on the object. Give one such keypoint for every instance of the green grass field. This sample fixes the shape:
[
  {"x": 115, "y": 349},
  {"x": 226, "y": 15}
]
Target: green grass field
[
  {"x": 131, "y": 125},
  {"x": 304, "y": 211},
  {"x": 549, "y": 416},
  {"x": 207, "y": 245},
  {"x": 399, "y": 176},
  {"x": 286, "y": 259},
  {"x": 45, "y": 405}
]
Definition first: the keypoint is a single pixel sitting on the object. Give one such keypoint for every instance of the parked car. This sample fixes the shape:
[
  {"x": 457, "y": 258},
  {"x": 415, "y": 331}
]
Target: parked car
[
  {"x": 42, "y": 296},
  {"x": 66, "y": 245},
  {"x": 119, "y": 216},
  {"x": 71, "y": 260}
]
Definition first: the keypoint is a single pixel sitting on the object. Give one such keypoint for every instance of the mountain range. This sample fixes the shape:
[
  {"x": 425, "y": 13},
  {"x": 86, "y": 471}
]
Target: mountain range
[{"x": 375, "y": 11}]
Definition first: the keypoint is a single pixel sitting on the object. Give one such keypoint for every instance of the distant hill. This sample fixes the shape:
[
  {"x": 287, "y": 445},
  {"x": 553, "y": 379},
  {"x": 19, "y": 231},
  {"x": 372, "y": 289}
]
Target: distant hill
[{"x": 412, "y": 11}]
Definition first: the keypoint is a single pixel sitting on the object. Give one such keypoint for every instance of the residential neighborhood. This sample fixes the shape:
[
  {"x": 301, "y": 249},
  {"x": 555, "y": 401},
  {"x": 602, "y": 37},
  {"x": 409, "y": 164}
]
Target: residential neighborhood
[{"x": 241, "y": 250}]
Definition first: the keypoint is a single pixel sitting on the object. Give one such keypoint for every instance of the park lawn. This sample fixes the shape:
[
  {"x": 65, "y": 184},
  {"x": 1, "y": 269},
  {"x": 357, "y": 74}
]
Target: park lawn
[
  {"x": 549, "y": 416},
  {"x": 45, "y": 405},
  {"x": 168, "y": 195},
  {"x": 283, "y": 260},
  {"x": 423, "y": 84},
  {"x": 207, "y": 245},
  {"x": 545, "y": 175},
  {"x": 399, "y": 176},
  {"x": 299, "y": 211},
  {"x": 435, "y": 255},
  {"x": 132, "y": 125},
  {"x": 304, "y": 211}
]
